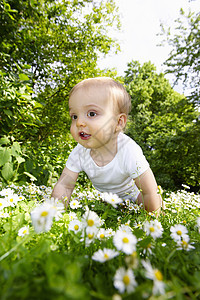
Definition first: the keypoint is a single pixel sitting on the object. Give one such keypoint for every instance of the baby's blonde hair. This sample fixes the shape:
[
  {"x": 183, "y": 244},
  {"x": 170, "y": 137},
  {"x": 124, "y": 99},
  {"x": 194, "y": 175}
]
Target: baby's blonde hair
[{"x": 116, "y": 91}]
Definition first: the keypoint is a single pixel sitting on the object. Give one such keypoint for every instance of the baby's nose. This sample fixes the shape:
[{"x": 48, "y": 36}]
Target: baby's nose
[{"x": 80, "y": 121}]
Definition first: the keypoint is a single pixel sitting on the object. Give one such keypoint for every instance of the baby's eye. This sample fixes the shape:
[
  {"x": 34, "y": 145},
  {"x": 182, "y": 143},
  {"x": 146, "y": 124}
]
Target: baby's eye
[
  {"x": 91, "y": 114},
  {"x": 73, "y": 117}
]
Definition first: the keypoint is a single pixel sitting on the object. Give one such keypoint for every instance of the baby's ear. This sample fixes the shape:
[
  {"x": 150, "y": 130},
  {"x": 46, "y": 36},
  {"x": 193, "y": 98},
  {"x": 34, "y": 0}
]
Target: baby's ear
[{"x": 122, "y": 119}]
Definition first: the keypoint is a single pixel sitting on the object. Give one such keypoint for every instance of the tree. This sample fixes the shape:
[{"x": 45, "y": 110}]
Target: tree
[
  {"x": 165, "y": 124},
  {"x": 56, "y": 43},
  {"x": 184, "y": 59}
]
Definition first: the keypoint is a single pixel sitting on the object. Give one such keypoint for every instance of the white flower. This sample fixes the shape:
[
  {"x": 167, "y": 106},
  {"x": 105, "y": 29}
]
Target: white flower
[
  {"x": 125, "y": 241},
  {"x": 124, "y": 280},
  {"x": 153, "y": 228},
  {"x": 20, "y": 198},
  {"x": 4, "y": 215},
  {"x": 12, "y": 199},
  {"x": 125, "y": 228},
  {"x": 23, "y": 231},
  {"x": 72, "y": 215},
  {"x": 184, "y": 244},
  {"x": 90, "y": 237},
  {"x": 42, "y": 217},
  {"x": 75, "y": 226},
  {"x": 104, "y": 255},
  {"x": 74, "y": 204},
  {"x": 101, "y": 234},
  {"x": 156, "y": 276},
  {"x": 110, "y": 232},
  {"x": 6, "y": 192},
  {"x": 113, "y": 199},
  {"x": 178, "y": 232},
  {"x": 58, "y": 206},
  {"x": 3, "y": 203},
  {"x": 91, "y": 221}
]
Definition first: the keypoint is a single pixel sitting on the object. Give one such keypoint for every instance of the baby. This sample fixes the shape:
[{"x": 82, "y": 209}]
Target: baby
[{"x": 114, "y": 163}]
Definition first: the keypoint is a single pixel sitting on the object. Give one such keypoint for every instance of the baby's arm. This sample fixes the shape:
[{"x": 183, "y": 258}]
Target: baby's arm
[
  {"x": 149, "y": 196},
  {"x": 65, "y": 185}
]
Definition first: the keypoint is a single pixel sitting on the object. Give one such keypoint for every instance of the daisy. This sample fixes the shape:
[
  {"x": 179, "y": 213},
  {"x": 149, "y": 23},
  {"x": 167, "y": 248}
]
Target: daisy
[
  {"x": 89, "y": 238},
  {"x": 58, "y": 206},
  {"x": 12, "y": 199},
  {"x": 75, "y": 226},
  {"x": 72, "y": 215},
  {"x": 23, "y": 231},
  {"x": 125, "y": 241},
  {"x": 6, "y": 192},
  {"x": 42, "y": 217},
  {"x": 124, "y": 280},
  {"x": 153, "y": 228},
  {"x": 104, "y": 255},
  {"x": 112, "y": 199},
  {"x": 184, "y": 244},
  {"x": 125, "y": 228},
  {"x": 3, "y": 203},
  {"x": 102, "y": 234},
  {"x": 74, "y": 204},
  {"x": 91, "y": 221},
  {"x": 156, "y": 276},
  {"x": 110, "y": 232},
  {"x": 4, "y": 215},
  {"x": 178, "y": 232}
]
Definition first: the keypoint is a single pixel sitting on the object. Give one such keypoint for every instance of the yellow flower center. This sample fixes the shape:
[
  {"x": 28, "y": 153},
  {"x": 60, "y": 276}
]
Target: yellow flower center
[
  {"x": 125, "y": 240},
  {"x": 113, "y": 200},
  {"x": 149, "y": 245},
  {"x": 134, "y": 254},
  {"x": 102, "y": 236},
  {"x": 90, "y": 236},
  {"x": 106, "y": 256},
  {"x": 185, "y": 244},
  {"x": 152, "y": 229},
  {"x": 25, "y": 231},
  {"x": 76, "y": 227},
  {"x": 44, "y": 214},
  {"x": 126, "y": 279},
  {"x": 179, "y": 232},
  {"x": 158, "y": 275},
  {"x": 90, "y": 222},
  {"x": 11, "y": 199},
  {"x": 1, "y": 204}
]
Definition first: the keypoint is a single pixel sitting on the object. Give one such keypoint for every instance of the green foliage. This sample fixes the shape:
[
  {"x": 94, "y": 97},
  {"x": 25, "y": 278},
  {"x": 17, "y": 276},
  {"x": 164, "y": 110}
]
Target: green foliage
[
  {"x": 45, "y": 49},
  {"x": 183, "y": 60},
  {"x": 19, "y": 111},
  {"x": 61, "y": 42},
  {"x": 58, "y": 264},
  {"x": 165, "y": 124},
  {"x": 11, "y": 157}
]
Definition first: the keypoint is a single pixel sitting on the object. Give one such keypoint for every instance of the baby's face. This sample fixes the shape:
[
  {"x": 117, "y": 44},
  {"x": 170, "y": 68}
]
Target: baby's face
[{"x": 94, "y": 119}]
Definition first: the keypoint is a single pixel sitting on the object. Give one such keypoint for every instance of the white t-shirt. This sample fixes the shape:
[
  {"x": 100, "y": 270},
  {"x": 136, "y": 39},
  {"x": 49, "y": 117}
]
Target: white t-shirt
[{"x": 118, "y": 175}]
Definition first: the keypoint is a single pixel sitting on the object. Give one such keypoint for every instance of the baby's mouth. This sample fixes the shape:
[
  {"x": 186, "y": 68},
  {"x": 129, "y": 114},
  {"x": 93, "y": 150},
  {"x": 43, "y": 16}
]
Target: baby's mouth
[{"x": 84, "y": 136}]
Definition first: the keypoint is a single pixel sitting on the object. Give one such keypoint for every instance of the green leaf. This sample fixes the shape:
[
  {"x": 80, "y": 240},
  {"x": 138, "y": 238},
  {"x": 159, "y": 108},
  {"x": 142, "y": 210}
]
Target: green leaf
[
  {"x": 5, "y": 156},
  {"x": 7, "y": 171},
  {"x": 16, "y": 147},
  {"x": 30, "y": 175},
  {"x": 4, "y": 140},
  {"x": 23, "y": 77},
  {"x": 20, "y": 159}
]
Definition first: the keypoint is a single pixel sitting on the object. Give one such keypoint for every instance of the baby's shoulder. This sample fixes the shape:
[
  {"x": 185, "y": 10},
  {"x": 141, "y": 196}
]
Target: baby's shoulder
[{"x": 127, "y": 144}]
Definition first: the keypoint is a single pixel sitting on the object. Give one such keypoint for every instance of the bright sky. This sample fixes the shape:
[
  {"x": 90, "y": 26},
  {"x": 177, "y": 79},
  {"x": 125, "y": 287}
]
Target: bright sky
[{"x": 140, "y": 25}]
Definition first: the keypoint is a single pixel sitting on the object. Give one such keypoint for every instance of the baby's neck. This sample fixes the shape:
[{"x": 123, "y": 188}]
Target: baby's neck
[{"x": 103, "y": 156}]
